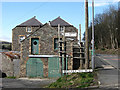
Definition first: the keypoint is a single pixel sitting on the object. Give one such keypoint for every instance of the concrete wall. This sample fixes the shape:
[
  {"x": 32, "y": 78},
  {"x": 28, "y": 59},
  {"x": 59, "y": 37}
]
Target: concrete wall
[
  {"x": 7, "y": 65},
  {"x": 16, "y": 69},
  {"x": 10, "y": 66}
]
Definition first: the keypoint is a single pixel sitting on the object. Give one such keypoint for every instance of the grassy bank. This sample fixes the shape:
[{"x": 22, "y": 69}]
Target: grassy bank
[
  {"x": 107, "y": 51},
  {"x": 76, "y": 80},
  {"x": 11, "y": 77}
]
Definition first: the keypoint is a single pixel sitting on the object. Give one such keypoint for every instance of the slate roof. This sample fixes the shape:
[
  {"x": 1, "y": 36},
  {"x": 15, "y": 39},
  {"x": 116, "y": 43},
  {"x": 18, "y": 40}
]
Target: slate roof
[
  {"x": 60, "y": 21},
  {"x": 31, "y": 22}
]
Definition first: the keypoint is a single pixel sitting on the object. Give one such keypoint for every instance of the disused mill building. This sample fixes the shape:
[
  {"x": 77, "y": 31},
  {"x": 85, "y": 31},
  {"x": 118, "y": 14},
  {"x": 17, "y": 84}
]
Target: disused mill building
[{"x": 38, "y": 45}]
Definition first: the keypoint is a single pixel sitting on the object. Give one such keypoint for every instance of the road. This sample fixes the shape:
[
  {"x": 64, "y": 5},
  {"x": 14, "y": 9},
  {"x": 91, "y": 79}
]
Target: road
[
  {"x": 109, "y": 70},
  {"x": 25, "y": 83}
]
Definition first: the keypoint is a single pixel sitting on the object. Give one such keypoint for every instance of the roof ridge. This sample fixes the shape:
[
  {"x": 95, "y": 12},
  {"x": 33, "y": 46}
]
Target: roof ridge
[
  {"x": 29, "y": 20},
  {"x": 61, "y": 20},
  {"x": 55, "y": 19},
  {"x": 64, "y": 21}
]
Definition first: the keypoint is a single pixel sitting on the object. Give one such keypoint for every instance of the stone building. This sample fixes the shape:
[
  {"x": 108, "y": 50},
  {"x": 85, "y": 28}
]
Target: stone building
[
  {"x": 39, "y": 49},
  {"x": 22, "y": 31}
]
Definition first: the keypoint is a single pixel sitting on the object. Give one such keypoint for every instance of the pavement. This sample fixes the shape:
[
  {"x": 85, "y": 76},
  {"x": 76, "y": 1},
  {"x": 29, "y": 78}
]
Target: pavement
[
  {"x": 25, "y": 83},
  {"x": 108, "y": 71}
]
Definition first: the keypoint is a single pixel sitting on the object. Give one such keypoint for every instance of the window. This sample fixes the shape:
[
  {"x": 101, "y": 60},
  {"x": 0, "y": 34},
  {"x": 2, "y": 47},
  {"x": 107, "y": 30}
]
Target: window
[
  {"x": 29, "y": 29},
  {"x": 61, "y": 29},
  {"x": 21, "y": 37},
  {"x": 55, "y": 43}
]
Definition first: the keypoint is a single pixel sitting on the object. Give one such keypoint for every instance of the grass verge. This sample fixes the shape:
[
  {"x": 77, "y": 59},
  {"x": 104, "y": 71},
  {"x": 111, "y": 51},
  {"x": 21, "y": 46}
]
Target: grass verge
[
  {"x": 11, "y": 77},
  {"x": 75, "y": 80}
]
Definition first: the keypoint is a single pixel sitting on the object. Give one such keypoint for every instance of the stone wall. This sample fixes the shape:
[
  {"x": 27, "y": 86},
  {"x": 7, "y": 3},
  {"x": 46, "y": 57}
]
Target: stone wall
[
  {"x": 7, "y": 65},
  {"x": 15, "y": 36},
  {"x": 10, "y": 66},
  {"x": 70, "y": 29},
  {"x": 46, "y": 35}
]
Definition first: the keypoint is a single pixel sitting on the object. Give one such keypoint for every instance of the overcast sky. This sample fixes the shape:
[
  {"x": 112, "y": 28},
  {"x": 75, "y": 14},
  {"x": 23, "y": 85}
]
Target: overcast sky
[{"x": 14, "y": 13}]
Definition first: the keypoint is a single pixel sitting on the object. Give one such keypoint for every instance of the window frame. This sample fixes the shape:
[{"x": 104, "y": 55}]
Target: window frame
[
  {"x": 20, "y": 38},
  {"x": 55, "y": 42},
  {"x": 27, "y": 29}
]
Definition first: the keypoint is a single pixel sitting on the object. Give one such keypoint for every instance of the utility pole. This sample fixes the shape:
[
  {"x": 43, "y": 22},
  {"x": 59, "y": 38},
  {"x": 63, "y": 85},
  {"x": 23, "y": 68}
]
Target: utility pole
[
  {"x": 86, "y": 36},
  {"x": 93, "y": 34}
]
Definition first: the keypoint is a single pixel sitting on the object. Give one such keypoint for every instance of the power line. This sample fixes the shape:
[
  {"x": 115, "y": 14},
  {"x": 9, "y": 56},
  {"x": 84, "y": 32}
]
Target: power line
[{"x": 29, "y": 12}]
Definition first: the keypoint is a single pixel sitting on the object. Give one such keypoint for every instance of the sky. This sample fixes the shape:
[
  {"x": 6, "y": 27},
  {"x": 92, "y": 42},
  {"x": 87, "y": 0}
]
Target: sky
[{"x": 15, "y": 13}]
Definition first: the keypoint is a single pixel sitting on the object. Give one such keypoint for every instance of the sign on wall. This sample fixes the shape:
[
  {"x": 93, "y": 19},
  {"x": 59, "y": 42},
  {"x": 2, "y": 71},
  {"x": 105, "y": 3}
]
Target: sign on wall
[{"x": 70, "y": 34}]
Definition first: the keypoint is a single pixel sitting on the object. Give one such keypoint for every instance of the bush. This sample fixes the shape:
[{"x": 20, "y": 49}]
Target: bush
[{"x": 103, "y": 49}]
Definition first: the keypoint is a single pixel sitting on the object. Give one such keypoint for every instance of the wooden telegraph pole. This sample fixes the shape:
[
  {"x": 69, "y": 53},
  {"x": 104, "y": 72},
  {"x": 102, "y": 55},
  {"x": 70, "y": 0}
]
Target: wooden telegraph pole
[
  {"x": 86, "y": 36},
  {"x": 81, "y": 61},
  {"x": 93, "y": 34}
]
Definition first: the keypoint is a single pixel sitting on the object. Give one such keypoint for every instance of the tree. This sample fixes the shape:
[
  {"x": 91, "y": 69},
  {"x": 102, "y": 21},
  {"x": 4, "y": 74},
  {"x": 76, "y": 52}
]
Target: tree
[{"x": 106, "y": 29}]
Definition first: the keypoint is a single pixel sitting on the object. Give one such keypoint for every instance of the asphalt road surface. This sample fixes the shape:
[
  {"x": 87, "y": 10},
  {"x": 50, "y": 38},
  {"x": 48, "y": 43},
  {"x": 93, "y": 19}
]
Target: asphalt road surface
[
  {"x": 25, "y": 83},
  {"x": 109, "y": 70}
]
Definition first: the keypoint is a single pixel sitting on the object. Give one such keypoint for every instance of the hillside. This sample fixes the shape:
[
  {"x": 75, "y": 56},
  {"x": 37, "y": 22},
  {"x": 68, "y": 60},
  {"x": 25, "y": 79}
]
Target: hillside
[
  {"x": 5, "y": 42},
  {"x": 5, "y": 45}
]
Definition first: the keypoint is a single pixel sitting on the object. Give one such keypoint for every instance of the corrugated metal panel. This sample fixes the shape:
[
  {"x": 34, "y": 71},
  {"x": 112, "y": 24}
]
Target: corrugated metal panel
[
  {"x": 34, "y": 67},
  {"x": 54, "y": 67}
]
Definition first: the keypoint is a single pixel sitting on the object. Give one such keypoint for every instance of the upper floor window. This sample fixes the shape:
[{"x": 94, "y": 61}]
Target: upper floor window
[
  {"x": 21, "y": 37},
  {"x": 55, "y": 43},
  {"x": 61, "y": 29},
  {"x": 28, "y": 29}
]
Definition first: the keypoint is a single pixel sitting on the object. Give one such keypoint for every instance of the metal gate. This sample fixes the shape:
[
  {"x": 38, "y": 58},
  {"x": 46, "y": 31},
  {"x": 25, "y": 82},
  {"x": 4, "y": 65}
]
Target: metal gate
[{"x": 34, "y": 67}]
